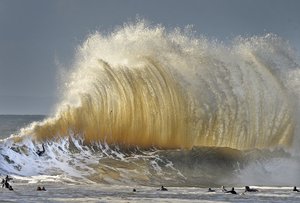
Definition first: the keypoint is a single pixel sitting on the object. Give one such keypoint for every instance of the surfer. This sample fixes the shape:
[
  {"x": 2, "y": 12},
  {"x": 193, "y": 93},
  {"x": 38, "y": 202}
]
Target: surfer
[
  {"x": 248, "y": 189},
  {"x": 7, "y": 178},
  {"x": 210, "y": 190},
  {"x": 41, "y": 152},
  {"x": 232, "y": 191},
  {"x": 5, "y": 183},
  {"x": 163, "y": 188},
  {"x": 295, "y": 189},
  {"x": 41, "y": 188},
  {"x": 134, "y": 190}
]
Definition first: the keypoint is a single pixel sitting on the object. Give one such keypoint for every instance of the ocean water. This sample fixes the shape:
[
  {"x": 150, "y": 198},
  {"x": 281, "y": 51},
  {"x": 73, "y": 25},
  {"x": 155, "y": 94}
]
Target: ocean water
[
  {"x": 11, "y": 124},
  {"x": 113, "y": 193},
  {"x": 144, "y": 107}
]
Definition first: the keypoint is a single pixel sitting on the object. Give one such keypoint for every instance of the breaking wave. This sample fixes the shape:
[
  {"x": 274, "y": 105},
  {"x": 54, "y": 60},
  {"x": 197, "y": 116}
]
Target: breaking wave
[
  {"x": 144, "y": 86},
  {"x": 146, "y": 105}
]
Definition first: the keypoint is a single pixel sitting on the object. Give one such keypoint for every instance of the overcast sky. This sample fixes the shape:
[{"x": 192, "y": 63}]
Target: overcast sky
[{"x": 36, "y": 34}]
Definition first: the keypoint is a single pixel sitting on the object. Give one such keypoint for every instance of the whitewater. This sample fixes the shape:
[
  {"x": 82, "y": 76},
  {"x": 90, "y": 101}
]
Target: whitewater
[{"x": 145, "y": 106}]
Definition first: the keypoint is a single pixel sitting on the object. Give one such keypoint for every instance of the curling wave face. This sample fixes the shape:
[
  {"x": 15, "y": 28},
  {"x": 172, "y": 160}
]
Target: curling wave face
[{"x": 147, "y": 87}]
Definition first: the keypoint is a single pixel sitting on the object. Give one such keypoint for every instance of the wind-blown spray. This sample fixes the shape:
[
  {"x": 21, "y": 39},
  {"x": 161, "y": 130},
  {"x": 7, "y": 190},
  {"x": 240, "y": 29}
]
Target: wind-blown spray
[{"x": 144, "y": 86}]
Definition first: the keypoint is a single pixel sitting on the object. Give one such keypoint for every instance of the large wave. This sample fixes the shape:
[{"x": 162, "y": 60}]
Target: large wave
[
  {"x": 148, "y": 105},
  {"x": 144, "y": 86}
]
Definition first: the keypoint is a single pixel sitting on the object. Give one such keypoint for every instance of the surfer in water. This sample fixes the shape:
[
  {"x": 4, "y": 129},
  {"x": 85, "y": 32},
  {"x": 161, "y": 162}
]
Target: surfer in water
[
  {"x": 41, "y": 188},
  {"x": 41, "y": 152},
  {"x": 248, "y": 189},
  {"x": 232, "y": 191},
  {"x": 295, "y": 189},
  {"x": 163, "y": 188},
  {"x": 5, "y": 183},
  {"x": 210, "y": 190}
]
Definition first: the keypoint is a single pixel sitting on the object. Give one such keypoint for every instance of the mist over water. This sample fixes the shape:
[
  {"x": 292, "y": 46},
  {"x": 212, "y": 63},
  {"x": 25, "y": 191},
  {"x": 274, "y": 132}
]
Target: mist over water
[{"x": 144, "y": 104}]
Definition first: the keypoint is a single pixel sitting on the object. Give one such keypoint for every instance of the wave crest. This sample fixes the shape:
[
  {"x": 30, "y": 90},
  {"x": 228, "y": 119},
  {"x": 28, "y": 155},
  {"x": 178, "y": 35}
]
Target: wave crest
[{"x": 144, "y": 86}]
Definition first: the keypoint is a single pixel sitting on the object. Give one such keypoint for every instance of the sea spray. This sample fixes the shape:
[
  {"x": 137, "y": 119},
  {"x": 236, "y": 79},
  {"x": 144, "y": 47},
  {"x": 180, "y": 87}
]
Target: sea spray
[{"x": 145, "y": 86}]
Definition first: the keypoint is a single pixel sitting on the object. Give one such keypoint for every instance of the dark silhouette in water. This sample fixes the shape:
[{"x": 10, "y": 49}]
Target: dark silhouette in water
[
  {"x": 232, "y": 191},
  {"x": 8, "y": 178},
  {"x": 134, "y": 190},
  {"x": 5, "y": 183},
  {"x": 163, "y": 188},
  {"x": 41, "y": 152},
  {"x": 40, "y": 188},
  {"x": 248, "y": 189},
  {"x": 295, "y": 189},
  {"x": 210, "y": 190}
]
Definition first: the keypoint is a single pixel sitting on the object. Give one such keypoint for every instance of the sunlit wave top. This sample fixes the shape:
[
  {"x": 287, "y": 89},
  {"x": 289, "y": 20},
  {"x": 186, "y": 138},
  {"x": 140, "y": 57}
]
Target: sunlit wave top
[{"x": 145, "y": 86}]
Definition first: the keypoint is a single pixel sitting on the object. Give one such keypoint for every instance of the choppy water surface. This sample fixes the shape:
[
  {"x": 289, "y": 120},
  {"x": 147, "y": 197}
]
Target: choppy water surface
[{"x": 112, "y": 193}]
